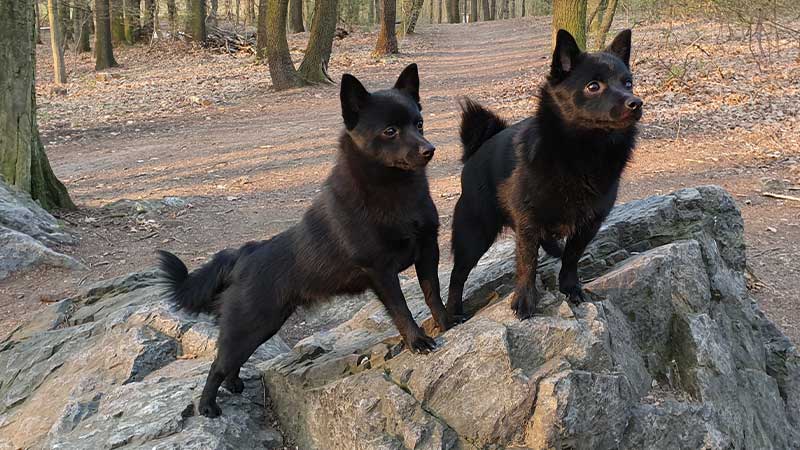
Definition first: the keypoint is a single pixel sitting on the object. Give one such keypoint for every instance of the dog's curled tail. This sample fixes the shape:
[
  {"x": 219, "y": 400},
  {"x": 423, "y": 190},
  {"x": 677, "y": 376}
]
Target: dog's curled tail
[
  {"x": 197, "y": 291},
  {"x": 478, "y": 125}
]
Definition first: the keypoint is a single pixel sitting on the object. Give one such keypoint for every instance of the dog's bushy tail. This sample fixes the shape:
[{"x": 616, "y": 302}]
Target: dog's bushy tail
[
  {"x": 197, "y": 291},
  {"x": 478, "y": 124}
]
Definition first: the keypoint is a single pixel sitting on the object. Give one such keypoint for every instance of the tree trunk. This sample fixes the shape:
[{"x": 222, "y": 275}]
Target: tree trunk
[
  {"x": 295, "y": 16},
  {"x": 261, "y": 30},
  {"x": 102, "y": 36},
  {"x": 485, "y": 7},
  {"x": 196, "y": 20},
  {"x": 512, "y": 9},
  {"x": 82, "y": 23},
  {"x": 453, "y": 13},
  {"x": 504, "y": 9},
  {"x": 37, "y": 34},
  {"x": 608, "y": 18},
  {"x": 64, "y": 19},
  {"x": 570, "y": 15},
  {"x": 149, "y": 23},
  {"x": 523, "y": 8},
  {"x": 172, "y": 15},
  {"x": 314, "y": 68},
  {"x": 23, "y": 162},
  {"x": 441, "y": 3},
  {"x": 56, "y": 43},
  {"x": 387, "y": 40},
  {"x": 494, "y": 10},
  {"x": 413, "y": 15},
  {"x": 117, "y": 21},
  {"x": 250, "y": 11},
  {"x": 593, "y": 8},
  {"x": 473, "y": 10},
  {"x": 212, "y": 14},
  {"x": 132, "y": 28},
  {"x": 281, "y": 68}
]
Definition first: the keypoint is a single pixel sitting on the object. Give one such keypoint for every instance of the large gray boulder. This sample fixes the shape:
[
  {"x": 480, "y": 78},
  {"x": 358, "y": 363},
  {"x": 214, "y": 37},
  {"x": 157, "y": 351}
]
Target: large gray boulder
[
  {"x": 27, "y": 233},
  {"x": 671, "y": 353}
]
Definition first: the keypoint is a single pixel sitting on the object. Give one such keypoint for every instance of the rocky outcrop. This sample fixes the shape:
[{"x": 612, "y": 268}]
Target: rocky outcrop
[
  {"x": 27, "y": 233},
  {"x": 671, "y": 353}
]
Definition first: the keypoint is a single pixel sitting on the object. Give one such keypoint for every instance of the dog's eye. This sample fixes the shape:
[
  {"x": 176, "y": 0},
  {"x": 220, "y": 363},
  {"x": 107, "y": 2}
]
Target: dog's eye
[
  {"x": 593, "y": 86},
  {"x": 629, "y": 84},
  {"x": 390, "y": 132},
  {"x": 419, "y": 125}
]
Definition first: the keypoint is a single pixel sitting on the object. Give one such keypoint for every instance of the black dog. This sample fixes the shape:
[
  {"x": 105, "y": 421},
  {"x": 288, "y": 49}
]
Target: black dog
[
  {"x": 554, "y": 175},
  {"x": 372, "y": 220}
]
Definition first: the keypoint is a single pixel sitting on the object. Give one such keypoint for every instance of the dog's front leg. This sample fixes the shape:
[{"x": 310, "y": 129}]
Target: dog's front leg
[
  {"x": 526, "y": 297},
  {"x": 427, "y": 266},
  {"x": 568, "y": 281},
  {"x": 387, "y": 288}
]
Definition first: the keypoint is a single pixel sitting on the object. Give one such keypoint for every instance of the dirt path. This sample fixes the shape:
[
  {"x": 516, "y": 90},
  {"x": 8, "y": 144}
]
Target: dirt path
[{"x": 252, "y": 167}]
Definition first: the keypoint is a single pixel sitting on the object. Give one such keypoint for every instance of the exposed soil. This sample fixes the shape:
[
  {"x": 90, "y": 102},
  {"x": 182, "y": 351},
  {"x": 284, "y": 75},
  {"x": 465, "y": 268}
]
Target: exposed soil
[{"x": 186, "y": 122}]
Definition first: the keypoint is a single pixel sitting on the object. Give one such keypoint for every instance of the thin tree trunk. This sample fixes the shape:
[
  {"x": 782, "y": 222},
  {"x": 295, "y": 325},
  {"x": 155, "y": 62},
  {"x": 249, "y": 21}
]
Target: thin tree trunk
[
  {"x": 296, "y": 16},
  {"x": 430, "y": 11},
  {"x": 82, "y": 23},
  {"x": 485, "y": 7},
  {"x": 104, "y": 55},
  {"x": 413, "y": 16},
  {"x": 473, "y": 10},
  {"x": 196, "y": 20},
  {"x": 117, "y": 21},
  {"x": 314, "y": 68},
  {"x": 37, "y": 34},
  {"x": 212, "y": 14},
  {"x": 504, "y": 9},
  {"x": 172, "y": 15},
  {"x": 250, "y": 11},
  {"x": 441, "y": 3},
  {"x": 453, "y": 13},
  {"x": 494, "y": 10},
  {"x": 523, "y": 8},
  {"x": 371, "y": 12},
  {"x": 261, "y": 30},
  {"x": 570, "y": 15},
  {"x": 56, "y": 43},
  {"x": 387, "y": 40},
  {"x": 23, "y": 162},
  {"x": 131, "y": 20},
  {"x": 149, "y": 23},
  {"x": 608, "y": 18},
  {"x": 64, "y": 19},
  {"x": 281, "y": 68},
  {"x": 512, "y": 9}
]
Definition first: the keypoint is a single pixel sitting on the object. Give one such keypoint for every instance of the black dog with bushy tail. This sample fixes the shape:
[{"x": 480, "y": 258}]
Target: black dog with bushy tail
[
  {"x": 372, "y": 220},
  {"x": 552, "y": 176}
]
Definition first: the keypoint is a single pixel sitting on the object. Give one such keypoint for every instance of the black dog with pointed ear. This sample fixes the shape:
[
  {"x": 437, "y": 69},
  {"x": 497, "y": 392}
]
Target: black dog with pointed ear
[
  {"x": 373, "y": 219},
  {"x": 552, "y": 176}
]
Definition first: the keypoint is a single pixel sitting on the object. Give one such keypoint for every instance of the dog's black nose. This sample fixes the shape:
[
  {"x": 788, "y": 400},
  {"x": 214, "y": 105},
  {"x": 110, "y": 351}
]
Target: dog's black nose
[
  {"x": 633, "y": 103},
  {"x": 427, "y": 150}
]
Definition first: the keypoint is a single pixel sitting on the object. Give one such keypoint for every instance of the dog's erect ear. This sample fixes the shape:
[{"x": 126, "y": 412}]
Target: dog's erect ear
[
  {"x": 408, "y": 82},
  {"x": 565, "y": 55},
  {"x": 354, "y": 96},
  {"x": 621, "y": 46}
]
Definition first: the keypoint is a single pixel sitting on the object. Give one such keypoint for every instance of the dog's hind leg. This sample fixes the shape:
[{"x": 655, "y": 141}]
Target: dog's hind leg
[
  {"x": 471, "y": 238},
  {"x": 233, "y": 383}
]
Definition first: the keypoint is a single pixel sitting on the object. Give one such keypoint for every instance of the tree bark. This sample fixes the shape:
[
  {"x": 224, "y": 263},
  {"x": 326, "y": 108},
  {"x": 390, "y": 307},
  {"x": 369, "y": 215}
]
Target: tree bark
[
  {"x": 494, "y": 10},
  {"x": 117, "y": 21},
  {"x": 149, "y": 22},
  {"x": 104, "y": 55},
  {"x": 608, "y": 18},
  {"x": 212, "y": 13},
  {"x": 250, "y": 11},
  {"x": 296, "y": 16},
  {"x": 172, "y": 15},
  {"x": 23, "y": 162},
  {"x": 413, "y": 15},
  {"x": 387, "y": 40},
  {"x": 473, "y": 10},
  {"x": 570, "y": 15},
  {"x": 504, "y": 9},
  {"x": 440, "y": 7},
  {"x": 453, "y": 13},
  {"x": 485, "y": 10},
  {"x": 314, "y": 68},
  {"x": 281, "y": 68},
  {"x": 196, "y": 20},
  {"x": 56, "y": 43},
  {"x": 82, "y": 23},
  {"x": 512, "y": 9},
  {"x": 64, "y": 8},
  {"x": 131, "y": 19}
]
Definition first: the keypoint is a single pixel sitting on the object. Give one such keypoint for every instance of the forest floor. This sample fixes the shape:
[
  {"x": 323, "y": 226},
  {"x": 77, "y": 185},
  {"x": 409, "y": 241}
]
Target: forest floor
[{"x": 182, "y": 121}]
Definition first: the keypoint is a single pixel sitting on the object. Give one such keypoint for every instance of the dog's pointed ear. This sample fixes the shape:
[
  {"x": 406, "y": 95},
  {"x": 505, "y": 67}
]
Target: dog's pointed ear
[
  {"x": 408, "y": 82},
  {"x": 353, "y": 96},
  {"x": 565, "y": 55},
  {"x": 621, "y": 46}
]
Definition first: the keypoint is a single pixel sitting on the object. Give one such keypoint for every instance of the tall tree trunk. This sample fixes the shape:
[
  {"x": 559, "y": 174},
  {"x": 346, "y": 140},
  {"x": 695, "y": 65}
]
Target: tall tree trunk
[
  {"x": 387, "y": 40},
  {"x": 453, "y": 13},
  {"x": 523, "y": 8},
  {"x": 371, "y": 12},
  {"x": 261, "y": 30},
  {"x": 212, "y": 14},
  {"x": 314, "y": 68},
  {"x": 132, "y": 27},
  {"x": 473, "y": 10},
  {"x": 56, "y": 43},
  {"x": 570, "y": 15},
  {"x": 504, "y": 9},
  {"x": 296, "y": 16},
  {"x": 82, "y": 23},
  {"x": 281, "y": 68},
  {"x": 250, "y": 6},
  {"x": 608, "y": 18},
  {"x": 37, "y": 34},
  {"x": 23, "y": 162},
  {"x": 104, "y": 55},
  {"x": 172, "y": 15},
  {"x": 196, "y": 20},
  {"x": 64, "y": 18},
  {"x": 512, "y": 9},
  {"x": 149, "y": 22},
  {"x": 485, "y": 7},
  {"x": 117, "y": 21},
  {"x": 494, "y": 10},
  {"x": 441, "y": 3},
  {"x": 413, "y": 15}
]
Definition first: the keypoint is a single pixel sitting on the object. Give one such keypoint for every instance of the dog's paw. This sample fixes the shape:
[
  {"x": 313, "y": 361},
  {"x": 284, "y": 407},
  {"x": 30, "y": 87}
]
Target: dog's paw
[
  {"x": 235, "y": 386},
  {"x": 209, "y": 409},
  {"x": 523, "y": 305},
  {"x": 421, "y": 343},
  {"x": 449, "y": 321},
  {"x": 575, "y": 294}
]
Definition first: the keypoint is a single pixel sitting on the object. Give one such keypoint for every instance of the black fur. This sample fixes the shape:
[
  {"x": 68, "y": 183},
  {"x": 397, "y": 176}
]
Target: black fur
[
  {"x": 373, "y": 219},
  {"x": 478, "y": 124},
  {"x": 554, "y": 175}
]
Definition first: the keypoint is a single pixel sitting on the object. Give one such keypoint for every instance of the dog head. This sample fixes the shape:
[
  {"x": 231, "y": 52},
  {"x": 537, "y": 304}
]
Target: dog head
[
  {"x": 386, "y": 126},
  {"x": 594, "y": 90}
]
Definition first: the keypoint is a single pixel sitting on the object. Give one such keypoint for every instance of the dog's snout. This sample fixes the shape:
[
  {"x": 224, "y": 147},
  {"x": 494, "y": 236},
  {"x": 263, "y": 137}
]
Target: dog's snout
[
  {"x": 633, "y": 103},
  {"x": 427, "y": 150}
]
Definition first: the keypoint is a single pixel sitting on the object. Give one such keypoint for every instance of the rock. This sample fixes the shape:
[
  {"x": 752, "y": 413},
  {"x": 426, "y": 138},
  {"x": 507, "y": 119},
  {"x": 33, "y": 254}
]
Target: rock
[
  {"x": 671, "y": 353},
  {"x": 27, "y": 233},
  {"x": 116, "y": 367}
]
